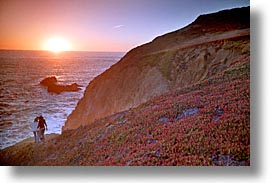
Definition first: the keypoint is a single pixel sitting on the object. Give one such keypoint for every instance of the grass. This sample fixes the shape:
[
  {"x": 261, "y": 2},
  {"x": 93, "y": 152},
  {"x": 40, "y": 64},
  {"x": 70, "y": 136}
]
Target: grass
[
  {"x": 162, "y": 60},
  {"x": 239, "y": 44},
  {"x": 165, "y": 64}
]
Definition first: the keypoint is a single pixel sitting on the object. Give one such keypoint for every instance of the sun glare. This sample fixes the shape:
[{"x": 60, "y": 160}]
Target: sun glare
[{"x": 57, "y": 44}]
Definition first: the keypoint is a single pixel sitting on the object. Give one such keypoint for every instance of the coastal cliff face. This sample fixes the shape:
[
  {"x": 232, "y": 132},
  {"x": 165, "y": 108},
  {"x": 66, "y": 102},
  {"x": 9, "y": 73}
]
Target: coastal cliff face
[{"x": 203, "y": 49}]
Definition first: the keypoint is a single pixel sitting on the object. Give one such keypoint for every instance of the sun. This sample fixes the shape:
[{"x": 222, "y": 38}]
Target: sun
[{"x": 57, "y": 44}]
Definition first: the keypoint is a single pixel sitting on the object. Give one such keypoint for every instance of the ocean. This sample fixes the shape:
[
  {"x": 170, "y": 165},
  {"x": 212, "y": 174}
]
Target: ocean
[{"x": 22, "y": 98}]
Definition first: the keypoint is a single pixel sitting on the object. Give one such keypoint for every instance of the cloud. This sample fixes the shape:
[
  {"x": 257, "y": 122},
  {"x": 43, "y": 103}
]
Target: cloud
[{"x": 118, "y": 26}]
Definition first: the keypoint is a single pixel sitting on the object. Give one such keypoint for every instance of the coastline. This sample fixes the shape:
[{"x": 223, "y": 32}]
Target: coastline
[
  {"x": 30, "y": 141},
  {"x": 25, "y": 99}
]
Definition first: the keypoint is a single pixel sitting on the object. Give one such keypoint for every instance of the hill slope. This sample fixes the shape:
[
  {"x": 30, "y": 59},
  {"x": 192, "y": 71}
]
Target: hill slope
[
  {"x": 197, "y": 52},
  {"x": 181, "y": 127}
]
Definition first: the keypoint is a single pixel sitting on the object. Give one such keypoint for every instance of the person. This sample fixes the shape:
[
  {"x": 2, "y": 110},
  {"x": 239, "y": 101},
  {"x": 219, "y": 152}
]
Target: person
[
  {"x": 41, "y": 126},
  {"x": 35, "y": 130}
]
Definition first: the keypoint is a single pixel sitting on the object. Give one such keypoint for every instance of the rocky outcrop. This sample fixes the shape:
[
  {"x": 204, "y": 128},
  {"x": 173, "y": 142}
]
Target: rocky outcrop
[
  {"x": 53, "y": 87},
  {"x": 49, "y": 81},
  {"x": 208, "y": 46}
]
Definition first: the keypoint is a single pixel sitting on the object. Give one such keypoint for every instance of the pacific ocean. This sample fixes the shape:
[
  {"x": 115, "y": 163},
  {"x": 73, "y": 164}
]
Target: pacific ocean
[{"x": 22, "y": 98}]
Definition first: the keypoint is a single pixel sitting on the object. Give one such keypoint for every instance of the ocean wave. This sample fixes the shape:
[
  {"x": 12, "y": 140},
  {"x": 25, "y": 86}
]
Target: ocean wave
[{"x": 22, "y": 98}]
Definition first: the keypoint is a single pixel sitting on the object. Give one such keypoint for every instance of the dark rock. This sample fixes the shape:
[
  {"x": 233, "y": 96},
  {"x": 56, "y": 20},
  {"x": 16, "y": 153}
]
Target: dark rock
[
  {"x": 220, "y": 111},
  {"x": 50, "y": 82},
  {"x": 179, "y": 116},
  {"x": 63, "y": 88},
  {"x": 154, "y": 141},
  {"x": 110, "y": 127},
  {"x": 217, "y": 114},
  {"x": 150, "y": 134},
  {"x": 216, "y": 119},
  {"x": 158, "y": 152},
  {"x": 191, "y": 111},
  {"x": 145, "y": 155},
  {"x": 164, "y": 119},
  {"x": 226, "y": 160}
]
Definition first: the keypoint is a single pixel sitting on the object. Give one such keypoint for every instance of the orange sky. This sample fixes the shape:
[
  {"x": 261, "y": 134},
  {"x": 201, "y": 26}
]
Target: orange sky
[{"x": 97, "y": 25}]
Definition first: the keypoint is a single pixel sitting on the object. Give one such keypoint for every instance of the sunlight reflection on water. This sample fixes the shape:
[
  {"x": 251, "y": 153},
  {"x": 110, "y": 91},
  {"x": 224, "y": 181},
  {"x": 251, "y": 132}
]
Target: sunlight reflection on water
[{"x": 22, "y": 98}]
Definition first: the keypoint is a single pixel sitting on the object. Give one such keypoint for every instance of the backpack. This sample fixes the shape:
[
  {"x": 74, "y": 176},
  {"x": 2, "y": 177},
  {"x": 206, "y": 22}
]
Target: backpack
[{"x": 41, "y": 123}]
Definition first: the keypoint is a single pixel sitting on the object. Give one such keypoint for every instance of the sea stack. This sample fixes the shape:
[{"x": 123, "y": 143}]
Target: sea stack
[{"x": 53, "y": 87}]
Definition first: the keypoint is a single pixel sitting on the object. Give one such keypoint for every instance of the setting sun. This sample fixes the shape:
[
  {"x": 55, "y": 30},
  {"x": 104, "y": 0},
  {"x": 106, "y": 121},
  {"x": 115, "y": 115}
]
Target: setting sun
[{"x": 57, "y": 44}]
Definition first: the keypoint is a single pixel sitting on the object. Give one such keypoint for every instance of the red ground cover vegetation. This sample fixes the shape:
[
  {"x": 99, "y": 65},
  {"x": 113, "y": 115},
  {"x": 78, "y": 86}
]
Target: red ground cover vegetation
[
  {"x": 156, "y": 133},
  {"x": 161, "y": 132}
]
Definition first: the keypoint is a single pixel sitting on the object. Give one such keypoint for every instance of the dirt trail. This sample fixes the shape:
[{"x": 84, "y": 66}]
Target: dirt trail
[{"x": 209, "y": 38}]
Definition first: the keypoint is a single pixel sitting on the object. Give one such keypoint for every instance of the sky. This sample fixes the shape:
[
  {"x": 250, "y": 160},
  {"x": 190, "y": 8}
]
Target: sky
[{"x": 98, "y": 25}]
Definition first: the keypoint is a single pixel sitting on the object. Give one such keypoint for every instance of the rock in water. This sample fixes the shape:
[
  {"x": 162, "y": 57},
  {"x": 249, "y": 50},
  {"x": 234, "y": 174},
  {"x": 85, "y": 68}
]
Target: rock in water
[
  {"x": 50, "y": 82},
  {"x": 63, "y": 88}
]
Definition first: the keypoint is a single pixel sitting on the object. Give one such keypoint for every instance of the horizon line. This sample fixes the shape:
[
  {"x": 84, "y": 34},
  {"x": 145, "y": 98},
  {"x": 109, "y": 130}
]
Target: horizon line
[{"x": 4, "y": 49}]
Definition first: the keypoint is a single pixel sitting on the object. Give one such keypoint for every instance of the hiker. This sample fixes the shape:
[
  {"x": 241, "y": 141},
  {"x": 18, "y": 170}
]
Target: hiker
[
  {"x": 35, "y": 130},
  {"x": 42, "y": 125}
]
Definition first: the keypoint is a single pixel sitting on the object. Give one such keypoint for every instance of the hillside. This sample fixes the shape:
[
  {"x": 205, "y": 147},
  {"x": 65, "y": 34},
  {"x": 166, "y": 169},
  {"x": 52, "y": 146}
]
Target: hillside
[
  {"x": 211, "y": 44},
  {"x": 181, "y": 127},
  {"x": 183, "y": 99}
]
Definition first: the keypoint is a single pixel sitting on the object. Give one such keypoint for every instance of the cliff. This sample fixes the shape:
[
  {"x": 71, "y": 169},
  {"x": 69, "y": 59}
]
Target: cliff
[
  {"x": 209, "y": 45},
  {"x": 181, "y": 127}
]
